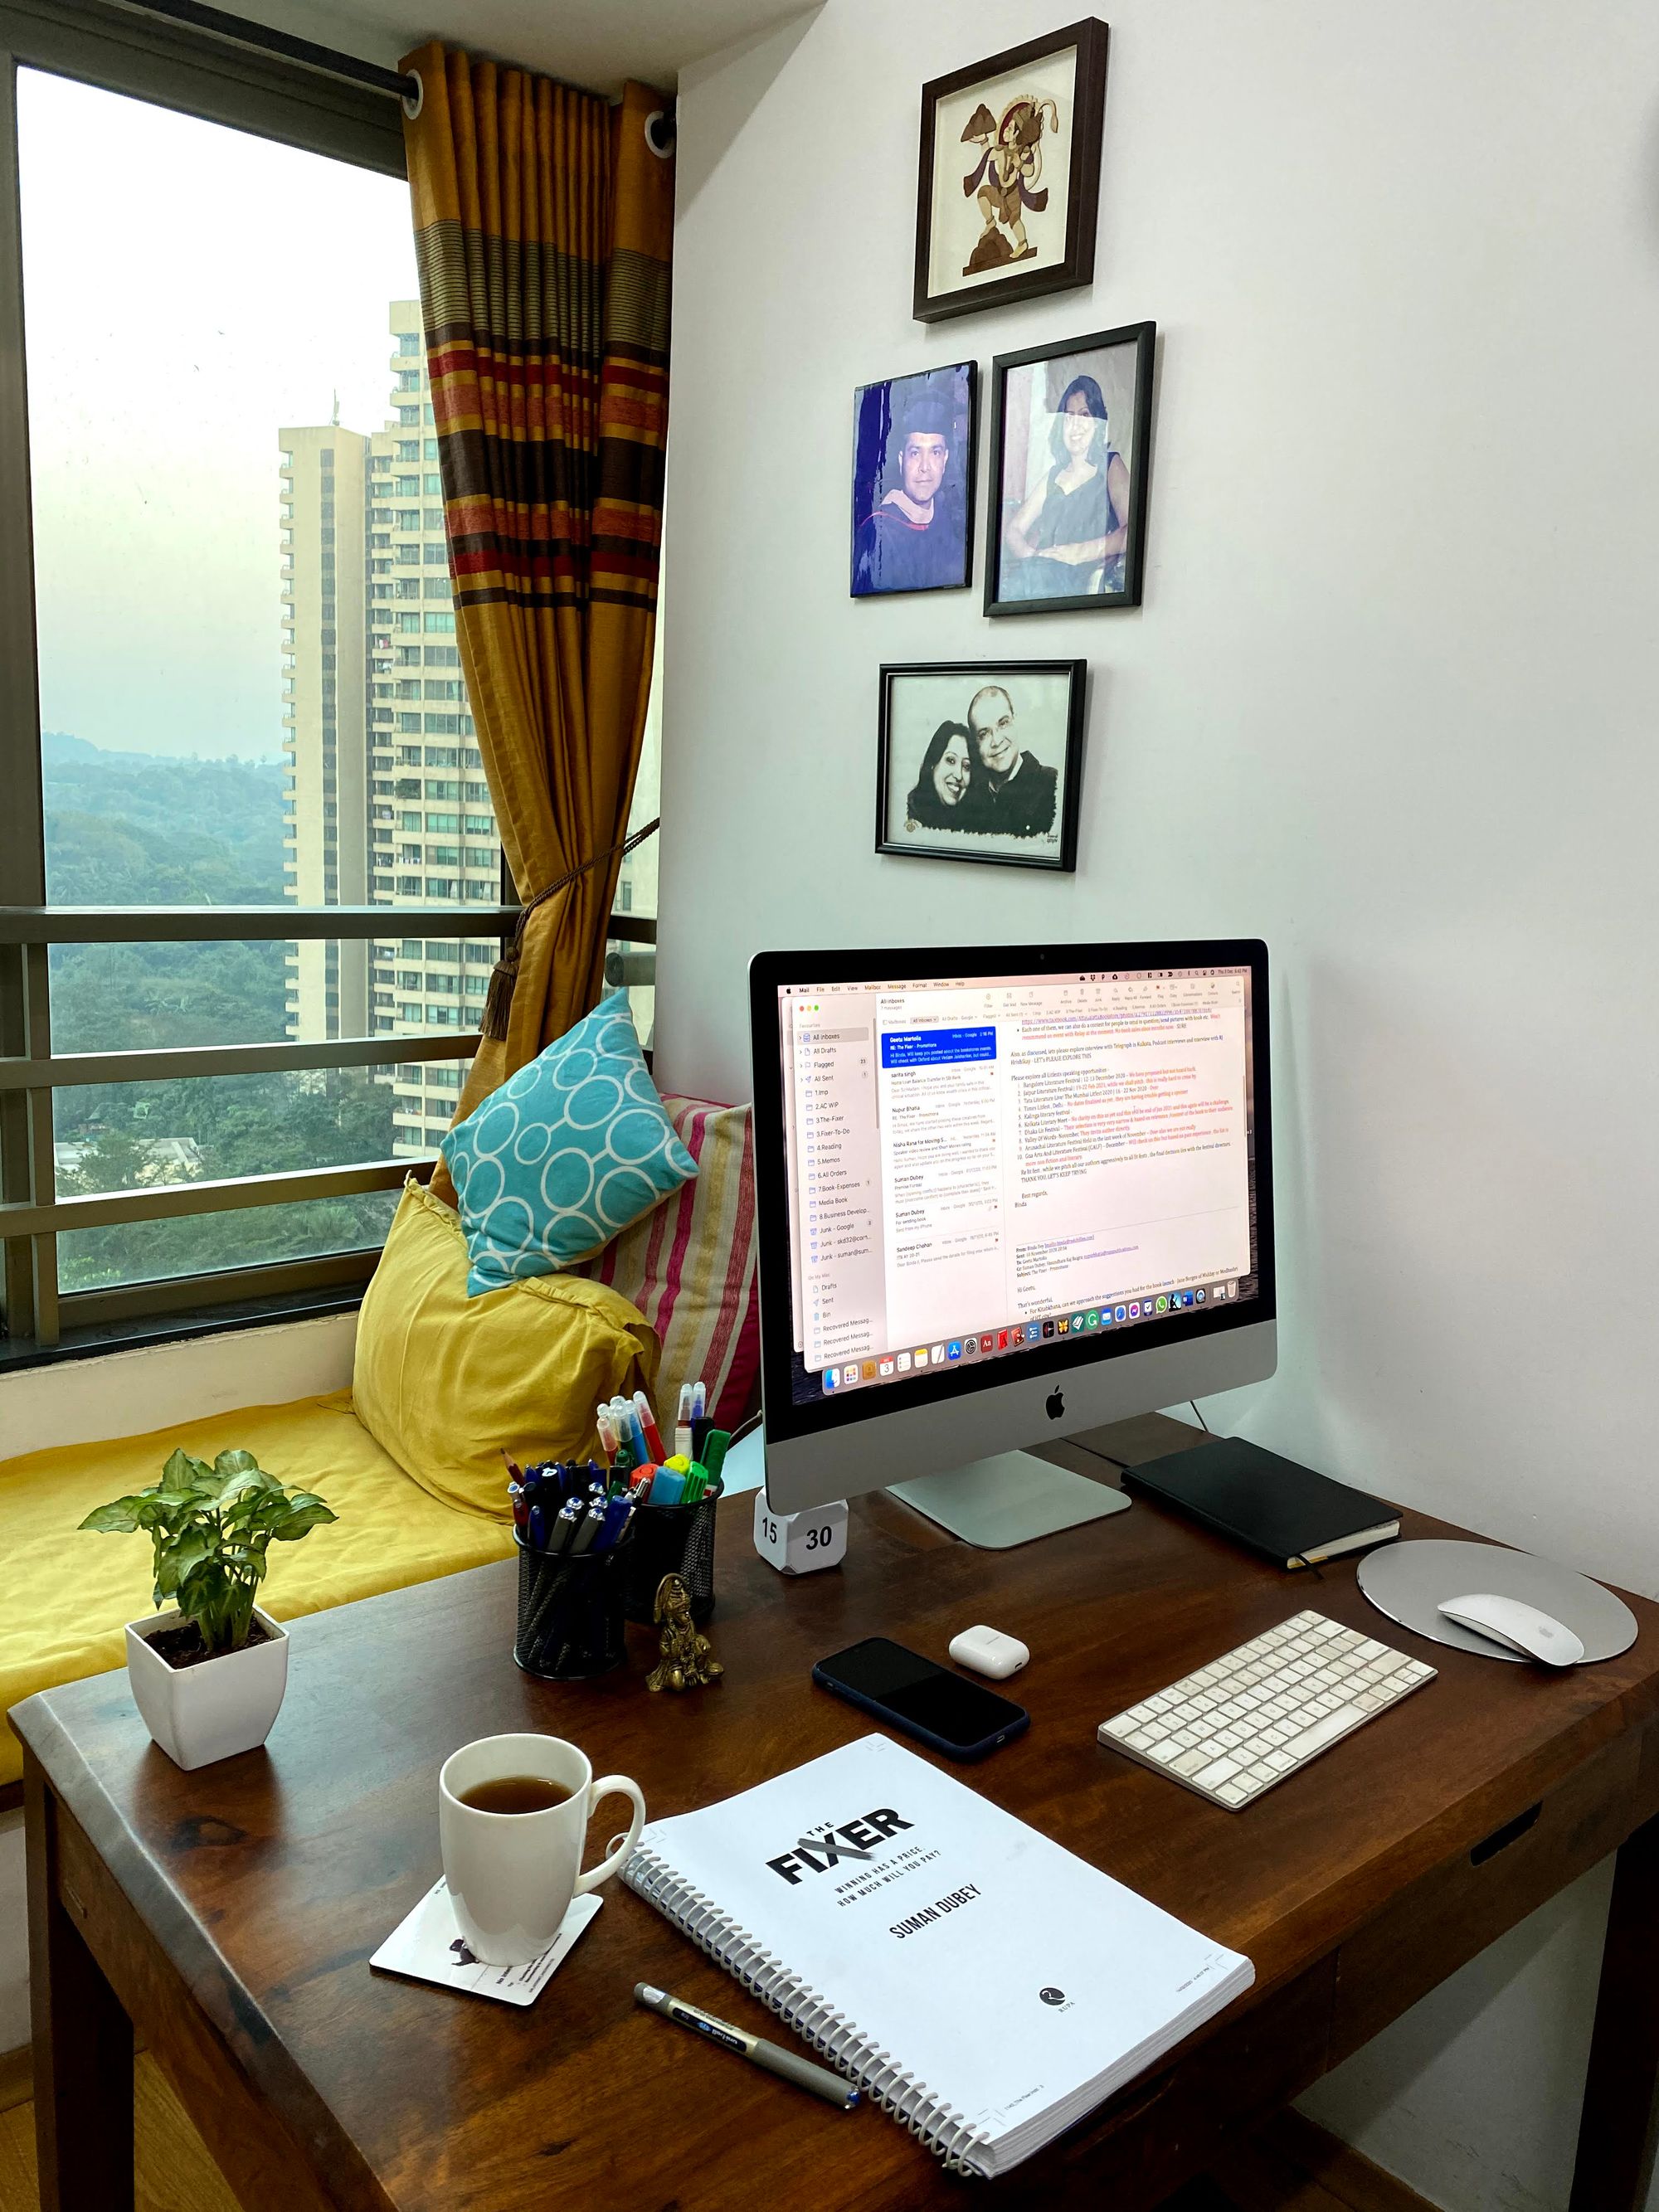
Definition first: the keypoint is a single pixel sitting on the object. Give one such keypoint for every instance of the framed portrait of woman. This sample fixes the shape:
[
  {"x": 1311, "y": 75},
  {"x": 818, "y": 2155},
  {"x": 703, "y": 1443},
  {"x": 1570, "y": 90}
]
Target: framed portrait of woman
[
  {"x": 1070, "y": 437},
  {"x": 1008, "y": 182},
  {"x": 982, "y": 760}
]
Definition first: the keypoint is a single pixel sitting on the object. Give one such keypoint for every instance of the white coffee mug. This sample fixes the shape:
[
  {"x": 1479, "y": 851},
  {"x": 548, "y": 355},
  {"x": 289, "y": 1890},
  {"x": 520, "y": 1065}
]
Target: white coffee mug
[{"x": 512, "y": 1875}]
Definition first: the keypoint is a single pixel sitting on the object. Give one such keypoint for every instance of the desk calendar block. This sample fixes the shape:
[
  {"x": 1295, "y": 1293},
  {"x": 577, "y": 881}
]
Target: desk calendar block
[{"x": 800, "y": 1543}]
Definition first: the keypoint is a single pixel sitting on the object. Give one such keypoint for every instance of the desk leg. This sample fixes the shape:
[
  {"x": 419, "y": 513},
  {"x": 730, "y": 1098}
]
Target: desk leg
[
  {"x": 1618, "y": 2131},
  {"x": 82, "y": 2040}
]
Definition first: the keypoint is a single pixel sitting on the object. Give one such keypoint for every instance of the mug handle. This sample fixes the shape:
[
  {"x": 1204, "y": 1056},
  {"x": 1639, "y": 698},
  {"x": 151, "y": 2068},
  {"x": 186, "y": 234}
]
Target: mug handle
[{"x": 613, "y": 1785}]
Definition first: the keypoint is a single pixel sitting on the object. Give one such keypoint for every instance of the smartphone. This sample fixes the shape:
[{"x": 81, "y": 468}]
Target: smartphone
[{"x": 945, "y": 1711}]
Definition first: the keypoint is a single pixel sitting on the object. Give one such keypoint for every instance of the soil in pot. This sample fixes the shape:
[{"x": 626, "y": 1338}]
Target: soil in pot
[{"x": 182, "y": 1647}]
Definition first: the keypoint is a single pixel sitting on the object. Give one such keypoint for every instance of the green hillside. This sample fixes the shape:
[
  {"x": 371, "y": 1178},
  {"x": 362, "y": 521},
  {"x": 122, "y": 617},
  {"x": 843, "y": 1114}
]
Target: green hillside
[{"x": 127, "y": 829}]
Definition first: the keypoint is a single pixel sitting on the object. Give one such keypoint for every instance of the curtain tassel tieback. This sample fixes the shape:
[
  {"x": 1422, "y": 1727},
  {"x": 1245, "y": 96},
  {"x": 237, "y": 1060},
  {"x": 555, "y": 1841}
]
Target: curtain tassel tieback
[{"x": 498, "y": 1003}]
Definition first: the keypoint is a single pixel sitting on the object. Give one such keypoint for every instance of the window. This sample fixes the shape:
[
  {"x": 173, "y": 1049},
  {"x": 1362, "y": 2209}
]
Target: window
[{"x": 303, "y": 557}]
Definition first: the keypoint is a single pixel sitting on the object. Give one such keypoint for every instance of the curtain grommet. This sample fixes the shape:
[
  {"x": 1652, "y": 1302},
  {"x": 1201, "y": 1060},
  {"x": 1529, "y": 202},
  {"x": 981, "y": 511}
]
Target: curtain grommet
[
  {"x": 413, "y": 102},
  {"x": 661, "y": 123}
]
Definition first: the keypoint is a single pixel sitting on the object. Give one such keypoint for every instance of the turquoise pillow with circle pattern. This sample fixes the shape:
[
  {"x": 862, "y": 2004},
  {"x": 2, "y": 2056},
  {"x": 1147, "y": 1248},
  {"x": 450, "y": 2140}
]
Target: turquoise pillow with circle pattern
[{"x": 564, "y": 1155}]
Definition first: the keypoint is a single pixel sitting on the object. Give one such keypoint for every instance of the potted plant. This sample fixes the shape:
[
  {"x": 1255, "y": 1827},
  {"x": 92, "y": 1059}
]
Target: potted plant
[{"x": 209, "y": 1675}]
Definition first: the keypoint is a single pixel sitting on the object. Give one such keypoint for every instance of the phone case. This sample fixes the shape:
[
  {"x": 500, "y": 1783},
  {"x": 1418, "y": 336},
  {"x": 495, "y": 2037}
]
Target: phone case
[{"x": 889, "y": 1718}]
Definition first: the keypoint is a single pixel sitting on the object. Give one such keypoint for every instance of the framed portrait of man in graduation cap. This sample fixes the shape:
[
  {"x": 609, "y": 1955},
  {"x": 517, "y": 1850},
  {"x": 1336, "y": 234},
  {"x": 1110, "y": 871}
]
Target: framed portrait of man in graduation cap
[{"x": 913, "y": 482}]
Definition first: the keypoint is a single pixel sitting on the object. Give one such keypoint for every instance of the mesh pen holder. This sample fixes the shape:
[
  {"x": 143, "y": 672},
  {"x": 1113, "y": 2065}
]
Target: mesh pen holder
[
  {"x": 670, "y": 1540},
  {"x": 570, "y": 1611}
]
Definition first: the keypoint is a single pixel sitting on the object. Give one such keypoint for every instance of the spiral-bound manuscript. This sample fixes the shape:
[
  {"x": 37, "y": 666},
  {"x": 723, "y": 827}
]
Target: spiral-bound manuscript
[{"x": 981, "y": 1983}]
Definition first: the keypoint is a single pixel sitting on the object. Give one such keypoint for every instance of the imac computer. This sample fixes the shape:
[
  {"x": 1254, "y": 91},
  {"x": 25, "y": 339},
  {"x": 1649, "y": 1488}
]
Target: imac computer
[{"x": 1004, "y": 1195}]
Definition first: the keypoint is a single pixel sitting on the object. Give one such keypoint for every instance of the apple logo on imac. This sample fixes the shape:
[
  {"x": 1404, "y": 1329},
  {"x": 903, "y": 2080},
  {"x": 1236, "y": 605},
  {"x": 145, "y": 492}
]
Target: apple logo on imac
[{"x": 1055, "y": 1405}]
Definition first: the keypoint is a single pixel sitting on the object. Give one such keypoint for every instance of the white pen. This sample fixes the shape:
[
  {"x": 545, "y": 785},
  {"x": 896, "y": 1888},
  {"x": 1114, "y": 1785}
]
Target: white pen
[{"x": 772, "y": 2056}]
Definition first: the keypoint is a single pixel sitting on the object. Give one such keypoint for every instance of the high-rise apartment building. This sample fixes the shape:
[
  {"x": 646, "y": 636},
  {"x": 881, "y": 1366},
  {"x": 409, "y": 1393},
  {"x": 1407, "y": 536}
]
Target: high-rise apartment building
[
  {"x": 387, "y": 802},
  {"x": 326, "y": 853}
]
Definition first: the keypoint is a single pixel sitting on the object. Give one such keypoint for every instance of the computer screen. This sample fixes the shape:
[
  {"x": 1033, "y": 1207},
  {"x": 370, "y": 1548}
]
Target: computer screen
[{"x": 1010, "y": 1166}]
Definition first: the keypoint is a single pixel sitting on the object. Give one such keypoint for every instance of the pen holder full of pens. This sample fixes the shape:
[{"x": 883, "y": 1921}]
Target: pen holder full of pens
[
  {"x": 670, "y": 1540},
  {"x": 571, "y": 1610}
]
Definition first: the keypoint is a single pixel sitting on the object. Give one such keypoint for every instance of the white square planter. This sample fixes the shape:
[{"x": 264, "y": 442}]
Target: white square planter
[{"x": 215, "y": 1709}]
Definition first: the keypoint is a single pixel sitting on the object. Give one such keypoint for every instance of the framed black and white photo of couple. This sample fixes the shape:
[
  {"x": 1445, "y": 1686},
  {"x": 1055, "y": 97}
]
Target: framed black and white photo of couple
[
  {"x": 1008, "y": 183},
  {"x": 982, "y": 760},
  {"x": 1071, "y": 438},
  {"x": 913, "y": 482}
]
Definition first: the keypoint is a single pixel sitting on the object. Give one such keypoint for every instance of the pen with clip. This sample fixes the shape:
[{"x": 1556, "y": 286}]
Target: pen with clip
[{"x": 776, "y": 2060}]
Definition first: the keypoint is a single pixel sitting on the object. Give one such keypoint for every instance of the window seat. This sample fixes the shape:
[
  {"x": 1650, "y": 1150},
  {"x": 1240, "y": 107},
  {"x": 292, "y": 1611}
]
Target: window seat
[{"x": 65, "y": 1598}]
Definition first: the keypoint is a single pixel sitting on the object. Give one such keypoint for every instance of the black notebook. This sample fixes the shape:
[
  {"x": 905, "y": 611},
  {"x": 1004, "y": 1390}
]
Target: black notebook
[{"x": 1269, "y": 1504}]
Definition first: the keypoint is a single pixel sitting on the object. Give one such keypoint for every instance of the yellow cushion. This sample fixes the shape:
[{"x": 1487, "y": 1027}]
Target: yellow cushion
[
  {"x": 66, "y": 1598},
  {"x": 446, "y": 1382}
]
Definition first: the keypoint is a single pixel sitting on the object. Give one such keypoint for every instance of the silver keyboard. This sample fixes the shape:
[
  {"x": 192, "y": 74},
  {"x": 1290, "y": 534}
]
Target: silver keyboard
[{"x": 1257, "y": 1715}]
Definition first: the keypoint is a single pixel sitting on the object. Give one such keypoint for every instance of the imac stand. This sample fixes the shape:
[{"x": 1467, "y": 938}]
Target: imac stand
[{"x": 1013, "y": 1498}]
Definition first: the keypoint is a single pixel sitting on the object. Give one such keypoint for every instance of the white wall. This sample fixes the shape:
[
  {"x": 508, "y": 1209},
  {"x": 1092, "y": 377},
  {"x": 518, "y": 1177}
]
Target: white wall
[{"x": 1389, "y": 703}]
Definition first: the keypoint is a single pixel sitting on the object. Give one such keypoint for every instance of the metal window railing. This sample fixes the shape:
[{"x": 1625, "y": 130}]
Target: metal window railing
[{"x": 32, "y": 1215}]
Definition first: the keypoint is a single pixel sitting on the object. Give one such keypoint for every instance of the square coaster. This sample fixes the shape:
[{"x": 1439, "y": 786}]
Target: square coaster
[{"x": 428, "y": 1946}]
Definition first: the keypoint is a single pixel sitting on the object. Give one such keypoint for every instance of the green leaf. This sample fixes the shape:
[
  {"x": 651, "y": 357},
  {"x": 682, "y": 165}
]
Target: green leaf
[
  {"x": 237, "y": 1462},
  {"x": 182, "y": 1473},
  {"x": 304, "y": 1517},
  {"x": 118, "y": 1519}
]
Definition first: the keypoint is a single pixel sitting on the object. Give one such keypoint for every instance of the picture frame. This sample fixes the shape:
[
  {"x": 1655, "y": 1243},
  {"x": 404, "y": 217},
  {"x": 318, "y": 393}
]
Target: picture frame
[
  {"x": 980, "y": 759},
  {"x": 915, "y": 449},
  {"x": 1044, "y": 555},
  {"x": 1008, "y": 175}
]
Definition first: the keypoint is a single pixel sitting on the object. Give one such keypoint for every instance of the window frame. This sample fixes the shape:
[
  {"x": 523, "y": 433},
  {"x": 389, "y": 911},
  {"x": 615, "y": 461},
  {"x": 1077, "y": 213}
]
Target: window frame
[{"x": 173, "y": 66}]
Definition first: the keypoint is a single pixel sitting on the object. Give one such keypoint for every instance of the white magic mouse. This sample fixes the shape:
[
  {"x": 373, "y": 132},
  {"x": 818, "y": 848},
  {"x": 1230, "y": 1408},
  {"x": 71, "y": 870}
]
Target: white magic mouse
[
  {"x": 1521, "y": 1626},
  {"x": 988, "y": 1651}
]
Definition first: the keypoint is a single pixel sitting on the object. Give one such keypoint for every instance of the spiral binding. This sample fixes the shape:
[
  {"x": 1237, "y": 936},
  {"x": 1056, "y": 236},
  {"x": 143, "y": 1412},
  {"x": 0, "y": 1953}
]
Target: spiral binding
[{"x": 940, "y": 2127}]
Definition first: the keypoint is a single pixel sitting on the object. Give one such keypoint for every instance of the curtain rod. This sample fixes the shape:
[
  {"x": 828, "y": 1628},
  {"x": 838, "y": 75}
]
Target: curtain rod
[{"x": 328, "y": 60}]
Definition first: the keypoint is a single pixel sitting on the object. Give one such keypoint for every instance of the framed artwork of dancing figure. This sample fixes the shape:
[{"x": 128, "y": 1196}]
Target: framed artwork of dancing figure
[
  {"x": 1009, "y": 178},
  {"x": 982, "y": 760},
  {"x": 1071, "y": 439}
]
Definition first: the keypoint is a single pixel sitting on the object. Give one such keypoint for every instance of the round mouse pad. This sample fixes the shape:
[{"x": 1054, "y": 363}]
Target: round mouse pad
[{"x": 1409, "y": 1580}]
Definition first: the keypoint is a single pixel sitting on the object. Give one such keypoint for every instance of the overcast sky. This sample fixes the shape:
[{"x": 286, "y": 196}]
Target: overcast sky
[{"x": 188, "y": 290}]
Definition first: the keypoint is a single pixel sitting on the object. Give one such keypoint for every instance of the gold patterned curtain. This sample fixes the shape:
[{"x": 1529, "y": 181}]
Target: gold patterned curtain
[{"x": 544, "y": 227}]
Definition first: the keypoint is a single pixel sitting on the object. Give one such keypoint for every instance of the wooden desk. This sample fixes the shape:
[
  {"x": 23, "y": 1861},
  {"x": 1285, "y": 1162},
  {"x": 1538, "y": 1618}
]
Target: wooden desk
[{"x": 228, "y": 1915}]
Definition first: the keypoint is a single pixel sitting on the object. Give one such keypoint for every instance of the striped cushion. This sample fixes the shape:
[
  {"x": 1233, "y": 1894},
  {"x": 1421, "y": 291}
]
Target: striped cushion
[{"x": 690, "y": 1265}]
